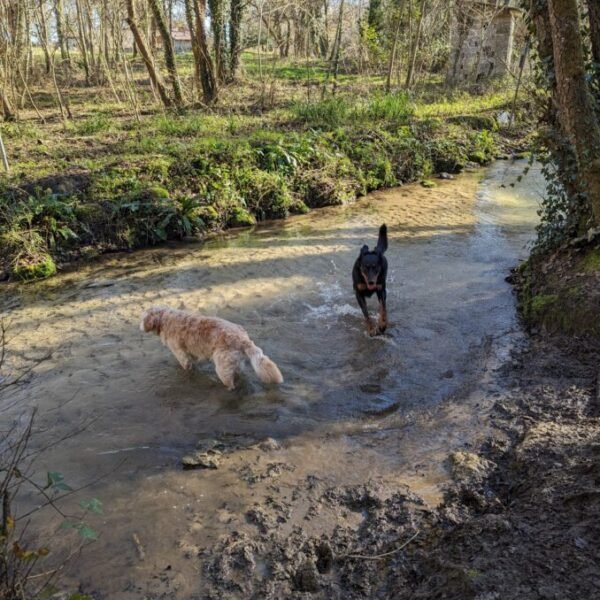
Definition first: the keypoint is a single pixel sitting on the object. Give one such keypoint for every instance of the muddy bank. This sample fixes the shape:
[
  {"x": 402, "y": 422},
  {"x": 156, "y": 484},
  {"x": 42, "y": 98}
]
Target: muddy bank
[
  {"x": 520, "y": 520},
  {"x": 559, "y": 292}
]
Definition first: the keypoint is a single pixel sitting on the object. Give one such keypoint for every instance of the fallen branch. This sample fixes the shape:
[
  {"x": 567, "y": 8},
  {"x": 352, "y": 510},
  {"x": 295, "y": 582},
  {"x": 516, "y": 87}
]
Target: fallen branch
[{"x": 378, "y": 556}]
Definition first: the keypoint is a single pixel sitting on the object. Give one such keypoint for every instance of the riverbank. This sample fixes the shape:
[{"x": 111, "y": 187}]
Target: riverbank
[
  {"x": 122, "y": 182},
  {"x": 520, "y": 520}
]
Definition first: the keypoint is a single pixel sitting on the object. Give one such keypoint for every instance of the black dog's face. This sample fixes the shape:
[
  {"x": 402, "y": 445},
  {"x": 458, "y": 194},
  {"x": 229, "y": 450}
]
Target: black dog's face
[{"x": 370, "y": 267}]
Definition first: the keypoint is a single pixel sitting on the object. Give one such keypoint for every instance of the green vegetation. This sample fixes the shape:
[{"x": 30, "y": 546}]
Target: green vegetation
[
  {"x": 554, "y": 300},
  {"x": 110, "y": 179},
  {"x": 591, "y": 262}
]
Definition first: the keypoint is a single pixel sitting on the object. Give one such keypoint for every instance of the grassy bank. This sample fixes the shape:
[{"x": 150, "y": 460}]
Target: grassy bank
[{"x": 111, "y": 180}]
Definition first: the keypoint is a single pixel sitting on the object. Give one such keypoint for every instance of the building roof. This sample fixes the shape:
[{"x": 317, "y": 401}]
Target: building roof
[{"x": 181, "y": 35}]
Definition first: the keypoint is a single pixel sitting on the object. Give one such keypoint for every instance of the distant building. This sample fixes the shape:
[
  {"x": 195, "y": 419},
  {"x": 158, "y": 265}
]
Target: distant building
[
  {"x": 182, "y": 40},
  {"x": 482, "y": 41}
]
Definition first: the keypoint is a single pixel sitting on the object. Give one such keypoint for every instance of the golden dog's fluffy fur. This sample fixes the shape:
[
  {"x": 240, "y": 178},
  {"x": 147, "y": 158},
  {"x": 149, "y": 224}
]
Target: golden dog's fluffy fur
[{"x": 190, "y": 336}]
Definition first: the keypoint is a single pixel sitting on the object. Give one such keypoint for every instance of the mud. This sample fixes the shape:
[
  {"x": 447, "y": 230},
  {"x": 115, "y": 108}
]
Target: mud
[{"x": 297, "y": 489}]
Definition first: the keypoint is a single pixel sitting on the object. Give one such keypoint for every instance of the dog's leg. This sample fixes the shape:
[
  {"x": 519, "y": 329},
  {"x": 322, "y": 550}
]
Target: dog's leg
[
  {"x": 363, "y": 306},
  {"x": 381, "y": 296},
  {"x": 182, "y": 356},
  {"x": 226, "y": 365}
]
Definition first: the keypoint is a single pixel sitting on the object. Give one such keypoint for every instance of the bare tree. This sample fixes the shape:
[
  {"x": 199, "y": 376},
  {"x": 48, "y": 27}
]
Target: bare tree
[
  {"x": 140, "y": 42},
  {"x": 169, "y": 52},
  {"x": 203, "y": 65}
]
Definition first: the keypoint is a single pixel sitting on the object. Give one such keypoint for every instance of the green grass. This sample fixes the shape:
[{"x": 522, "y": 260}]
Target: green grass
[
  {"x": 465, "y": 104},
  {"x": 337, "y": 111}
]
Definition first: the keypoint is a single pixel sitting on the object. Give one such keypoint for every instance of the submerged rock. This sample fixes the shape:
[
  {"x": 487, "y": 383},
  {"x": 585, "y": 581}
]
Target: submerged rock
[{"x": 202, "y": 460}]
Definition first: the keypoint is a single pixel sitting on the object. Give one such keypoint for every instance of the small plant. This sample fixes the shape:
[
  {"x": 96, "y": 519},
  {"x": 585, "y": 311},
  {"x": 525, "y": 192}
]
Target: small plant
[
  {"x": 328, "y": 113},
  {"x": 95, "y": 124},
  {"x": 22, "y": 572}
]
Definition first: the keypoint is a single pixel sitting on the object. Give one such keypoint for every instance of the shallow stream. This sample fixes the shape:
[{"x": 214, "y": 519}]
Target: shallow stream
[{"x": 352, "y": 407}]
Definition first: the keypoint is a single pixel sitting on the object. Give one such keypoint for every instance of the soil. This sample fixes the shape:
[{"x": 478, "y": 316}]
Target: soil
[{"x": 520, "y": 520}]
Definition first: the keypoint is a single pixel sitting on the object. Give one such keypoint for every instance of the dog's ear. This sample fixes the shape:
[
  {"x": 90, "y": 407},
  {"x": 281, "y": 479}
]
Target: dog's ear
[
  {"x": 364, "y": 249},
  {"x": 151, "y": 320}
]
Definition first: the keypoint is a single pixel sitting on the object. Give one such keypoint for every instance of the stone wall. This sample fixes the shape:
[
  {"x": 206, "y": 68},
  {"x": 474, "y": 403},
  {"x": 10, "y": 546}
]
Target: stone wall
[{"x": 482, "y": 42}]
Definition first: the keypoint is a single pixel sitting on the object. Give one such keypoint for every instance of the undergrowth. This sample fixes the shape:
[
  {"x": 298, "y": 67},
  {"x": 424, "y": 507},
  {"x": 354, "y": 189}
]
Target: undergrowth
[{"x": 175, "y": 176}]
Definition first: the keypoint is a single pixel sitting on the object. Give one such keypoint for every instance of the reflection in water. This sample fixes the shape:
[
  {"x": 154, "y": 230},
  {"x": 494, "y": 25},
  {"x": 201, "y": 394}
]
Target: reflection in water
[{"x": 289, "y": 284}]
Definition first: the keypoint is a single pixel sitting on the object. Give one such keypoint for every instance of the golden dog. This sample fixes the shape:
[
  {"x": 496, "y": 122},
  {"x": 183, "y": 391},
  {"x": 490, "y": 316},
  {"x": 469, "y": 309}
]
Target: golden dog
[{"x": 190, "y": 336}]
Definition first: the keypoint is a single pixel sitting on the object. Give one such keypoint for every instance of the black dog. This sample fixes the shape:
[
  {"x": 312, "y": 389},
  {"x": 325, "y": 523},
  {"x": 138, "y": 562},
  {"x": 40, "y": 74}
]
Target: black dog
[{"x": 368, "y": 276}]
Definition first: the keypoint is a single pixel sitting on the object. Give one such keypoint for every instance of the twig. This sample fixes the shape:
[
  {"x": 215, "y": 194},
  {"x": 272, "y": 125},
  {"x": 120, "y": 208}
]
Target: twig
[
  {"x": 378, "y": 556},
  {"x": 4, "y": 157},
  {"x": 138, "y": 546}
]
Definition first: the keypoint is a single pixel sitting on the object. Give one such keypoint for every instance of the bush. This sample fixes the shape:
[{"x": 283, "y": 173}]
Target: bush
[
  {"x": 27, "y": 268},
  {"x": 266, "y": 194},
  {"x": 483, "y": 147}
]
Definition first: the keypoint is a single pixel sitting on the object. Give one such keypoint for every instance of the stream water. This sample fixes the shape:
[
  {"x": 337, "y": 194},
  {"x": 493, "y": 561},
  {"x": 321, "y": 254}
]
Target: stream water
[{"x": 348, "y": 401}]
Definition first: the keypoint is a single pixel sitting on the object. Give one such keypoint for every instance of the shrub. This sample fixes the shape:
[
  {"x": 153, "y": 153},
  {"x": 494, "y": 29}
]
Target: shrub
[
  {"x": 266, "y": 194},
  {"x": 28, "y": 268}
]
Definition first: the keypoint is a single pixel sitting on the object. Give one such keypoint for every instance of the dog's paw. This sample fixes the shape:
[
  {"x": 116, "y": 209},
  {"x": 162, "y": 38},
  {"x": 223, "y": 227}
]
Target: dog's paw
[
  {"x": 381, "y": 326},
  {"x": 371, "y": 328}
]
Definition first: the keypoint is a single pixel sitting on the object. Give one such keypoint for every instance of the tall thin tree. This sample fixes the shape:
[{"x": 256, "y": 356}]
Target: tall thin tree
[{"x": 169, "y": 52}]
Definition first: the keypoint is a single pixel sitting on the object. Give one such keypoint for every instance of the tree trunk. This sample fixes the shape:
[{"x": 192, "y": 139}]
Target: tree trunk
[
  {"x": 388, "y": 82},
  {"x": 165, "y": 34},
  {"x": 415, "y": 47},
  {"x": 143, "y": 48},
  {"x": 235, "y": 37},
  {"x": 43, "y": 33},
  {"x": 60, "y": 30},
  {"x": 218, "y": 29},
  {"x": 205, "y": 64},
  {"x": 336, "y": 47},
  {"x": 82, "y": 43},
  {"x": 7, "y": 110},
  {"x": 576, "y": 106},
  {"x": 594, "y": 16}
]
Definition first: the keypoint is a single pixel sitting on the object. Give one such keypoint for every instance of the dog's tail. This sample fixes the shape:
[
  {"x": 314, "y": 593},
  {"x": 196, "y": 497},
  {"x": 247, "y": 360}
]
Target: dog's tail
[
  {"x": 382, "y": 243},
  {"x": 264, "y": 367}
]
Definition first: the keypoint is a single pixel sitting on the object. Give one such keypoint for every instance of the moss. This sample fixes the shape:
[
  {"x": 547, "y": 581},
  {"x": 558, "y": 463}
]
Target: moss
[
  {"x": 427, "y": 183},
  {"x": 240, "y": 217},
  {"x": 320, "y": 189},
  {"x": 541, "y": 303},
  {"x": 32, "y": 268},
  {"x": 591, "y": 261},
  {"x": 479, "y": 157},
  {"x": 477, "y": 122},
  {"x": 156, "y": 192},
  {"x": 266, "y": 194},
  {"x": 209, "y": 215},
  {"x": 447, "y": 155}
]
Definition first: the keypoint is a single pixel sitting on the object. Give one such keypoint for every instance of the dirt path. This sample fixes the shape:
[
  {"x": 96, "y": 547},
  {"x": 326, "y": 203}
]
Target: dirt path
[{"x": 349, "y": 456}]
